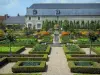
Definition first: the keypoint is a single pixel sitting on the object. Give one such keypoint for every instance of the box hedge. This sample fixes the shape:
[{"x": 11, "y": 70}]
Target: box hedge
[
  {"x": 81, "y": 57},
  {"x": 86, "y": 74},
  {"x": 14, "y": 59},
  {"x": 94, "y": 69},
  {"x": 72, "y": 52},
  {"x": 3, "y": 61},
  {"x": 24, "y": 69},
  {"x": 21, "y": 74},
  {"x": 47, "y": 51}
]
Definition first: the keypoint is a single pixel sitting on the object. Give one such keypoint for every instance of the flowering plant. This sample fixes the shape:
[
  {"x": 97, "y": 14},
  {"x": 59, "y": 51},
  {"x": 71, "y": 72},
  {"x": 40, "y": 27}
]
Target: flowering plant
[{"x": 65, "y": 33}]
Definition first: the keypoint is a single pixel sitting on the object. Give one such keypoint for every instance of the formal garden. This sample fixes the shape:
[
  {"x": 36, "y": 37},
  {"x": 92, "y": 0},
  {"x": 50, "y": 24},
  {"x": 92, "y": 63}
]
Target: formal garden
[{"x": 70, "y": 46}]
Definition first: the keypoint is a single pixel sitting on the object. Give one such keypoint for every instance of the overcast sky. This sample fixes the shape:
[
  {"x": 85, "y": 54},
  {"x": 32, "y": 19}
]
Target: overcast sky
[{"x": 13, "y": 7}]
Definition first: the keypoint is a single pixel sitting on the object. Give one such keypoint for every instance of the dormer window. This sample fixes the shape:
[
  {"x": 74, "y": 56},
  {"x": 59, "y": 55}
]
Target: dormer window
[
  {"x": 34, "y": 11},
  {"x": 57, "y": 12}
]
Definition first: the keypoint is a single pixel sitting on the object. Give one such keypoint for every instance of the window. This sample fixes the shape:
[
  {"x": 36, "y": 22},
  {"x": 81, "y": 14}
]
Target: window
[
  {"x": 38, "y": 26},
  {"x": 29, "y": 26},
  {"x": 57, "y": 12},
  {"x": 38, "y": 18},
  {"x": 29, "y": 18},
  {"x": 34, "y": 11}
]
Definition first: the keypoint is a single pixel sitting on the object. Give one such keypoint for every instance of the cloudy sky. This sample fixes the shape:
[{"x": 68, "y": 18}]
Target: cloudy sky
[{"x": 13, "y": 7}]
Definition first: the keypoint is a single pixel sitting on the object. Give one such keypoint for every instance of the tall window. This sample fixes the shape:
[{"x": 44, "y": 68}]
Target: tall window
[
  {"x": 29, "y": 26},
  {"x": 38, "y": 18},
  {"x": 29, "y": 18},
  {"x": 38, "y": 26}
]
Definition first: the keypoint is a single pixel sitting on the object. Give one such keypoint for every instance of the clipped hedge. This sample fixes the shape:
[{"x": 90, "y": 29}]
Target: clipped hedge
[
  {"x": 86, "y": 74},
  {"x": 20, "y": 49},
  {"x": 23, "y": 55},
  {"x": 47, "y": 51},
  {"x": 24, "y": 69},
  {"x": 72, "y": 52},
  {"x": 21, "y": 74},
  {"x": 15, "y": 59},
  {"x": 94, "y": 69},
  {"x": 97, "y": 51},
  {"x": 3, "y": 61},
  {"x": 81, "y": 57}
]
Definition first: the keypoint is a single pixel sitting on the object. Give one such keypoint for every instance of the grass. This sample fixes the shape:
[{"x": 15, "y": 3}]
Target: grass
[{"x": 7, "y": 49}]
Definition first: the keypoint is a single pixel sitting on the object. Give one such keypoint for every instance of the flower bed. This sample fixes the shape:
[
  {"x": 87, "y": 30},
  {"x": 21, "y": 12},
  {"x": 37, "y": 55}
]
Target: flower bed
[
  {"x": 29, "y": 66},
  {"x": 72, "y": 49},
  {"x": 64, "y": 33},
  {"x": 14, "y": 50},
  {"x": 83, "y": 67},
  {"x": 47, "y": 39},
  {"x": 65, "y": 39},
  {"x": 40, "y": 49},
  {"x": 29, "y": 42},
  {"x": 85, "y": 42}
]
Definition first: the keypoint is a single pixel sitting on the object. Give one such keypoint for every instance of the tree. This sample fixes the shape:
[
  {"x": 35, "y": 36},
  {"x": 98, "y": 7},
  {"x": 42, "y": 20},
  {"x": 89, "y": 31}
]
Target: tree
[
  {"x": 45, "y": 25},
  {"x": 82, "y": 24},
  {"x": 65, "y": 25},
  {"x": 93, "y": 37}
]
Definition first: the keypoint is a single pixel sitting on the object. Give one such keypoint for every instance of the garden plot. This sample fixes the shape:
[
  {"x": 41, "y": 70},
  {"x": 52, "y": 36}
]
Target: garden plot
[
  {"x": 87, "y": 51},
  {"x": 7, "y": 68}
]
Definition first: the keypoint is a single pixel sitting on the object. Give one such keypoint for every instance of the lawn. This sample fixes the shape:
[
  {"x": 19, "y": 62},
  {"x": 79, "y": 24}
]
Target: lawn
[{"x": 7, "y": 49}]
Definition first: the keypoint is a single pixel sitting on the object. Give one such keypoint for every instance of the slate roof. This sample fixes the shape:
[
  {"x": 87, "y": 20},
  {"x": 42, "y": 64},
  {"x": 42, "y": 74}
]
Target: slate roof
[
  {"x": 65, "y": 6},
  {"x": 78, "y": 9},
  {"x": 15, "y": 20}
]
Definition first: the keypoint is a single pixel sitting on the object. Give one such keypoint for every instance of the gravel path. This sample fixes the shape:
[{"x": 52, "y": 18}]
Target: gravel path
[
  {"x": 87, "y": 51},
  {"x": 26, "y": 51},
  {"x": 57, "y": 64},
  {"x": 7, "y": 68}
]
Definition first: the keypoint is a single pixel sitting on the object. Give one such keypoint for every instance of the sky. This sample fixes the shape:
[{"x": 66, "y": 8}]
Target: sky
[{"x": 13, "y": 7}]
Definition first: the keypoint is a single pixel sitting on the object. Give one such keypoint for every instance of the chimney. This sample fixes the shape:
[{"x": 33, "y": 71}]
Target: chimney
[{"x": 6, "y": 16}]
